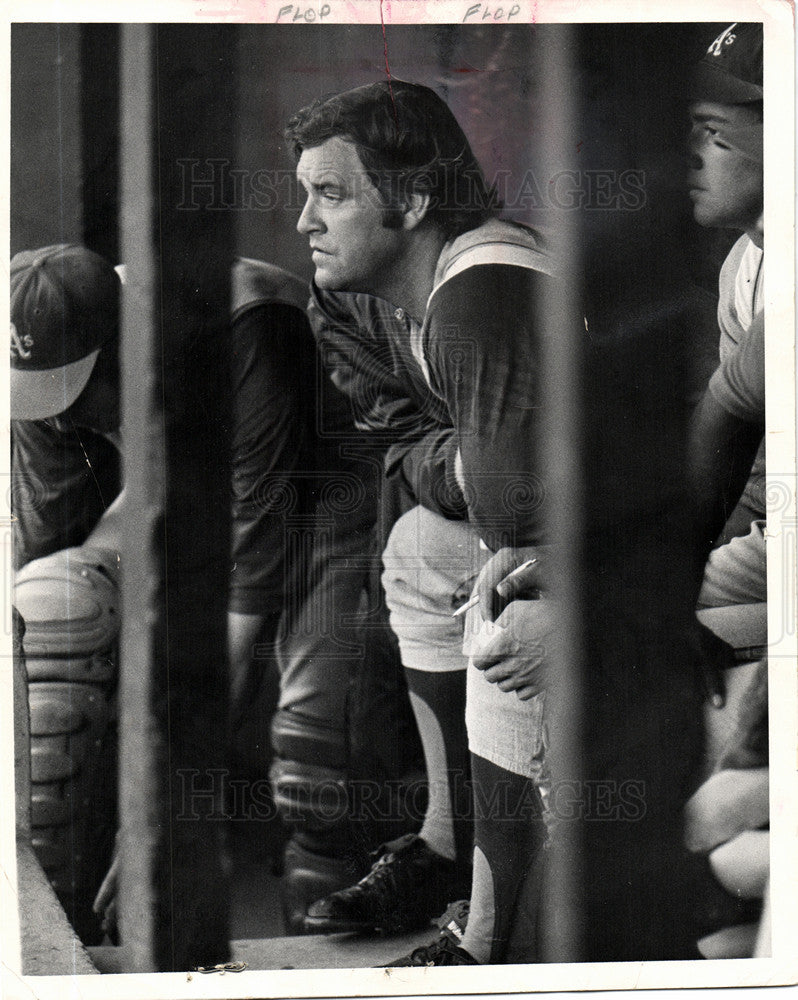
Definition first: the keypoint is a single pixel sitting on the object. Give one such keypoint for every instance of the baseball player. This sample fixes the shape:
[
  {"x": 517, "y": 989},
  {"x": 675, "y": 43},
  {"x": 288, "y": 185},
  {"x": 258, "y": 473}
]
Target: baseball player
[
  {"x": 398, "y": 209},
  {"x": 65, "y": 477}
]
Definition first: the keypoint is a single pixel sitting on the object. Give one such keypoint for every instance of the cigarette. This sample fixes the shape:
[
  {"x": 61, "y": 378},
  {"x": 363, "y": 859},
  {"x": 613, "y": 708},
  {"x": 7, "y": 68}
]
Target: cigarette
[
  {"x": 473, "y": 601},
  {"x": 470, "y": 603},
  {"x": 519, "y": 569}
]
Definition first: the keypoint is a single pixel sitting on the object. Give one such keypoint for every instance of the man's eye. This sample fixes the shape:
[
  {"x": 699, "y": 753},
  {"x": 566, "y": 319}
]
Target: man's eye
[
  {"x": 716, "y": 136},
  {"x": 331, "y": 194}
]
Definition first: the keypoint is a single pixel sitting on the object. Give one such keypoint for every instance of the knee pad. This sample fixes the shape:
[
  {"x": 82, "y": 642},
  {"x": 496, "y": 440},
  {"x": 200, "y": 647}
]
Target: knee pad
[
  {"x": 308, "y": 774},
  {"x": 69, "y": 603},
  {"x": 309, "y": 741}
]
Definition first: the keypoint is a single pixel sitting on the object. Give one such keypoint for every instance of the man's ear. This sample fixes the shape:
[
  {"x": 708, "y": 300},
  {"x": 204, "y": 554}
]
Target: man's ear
[{"x": 416, "y": 209}]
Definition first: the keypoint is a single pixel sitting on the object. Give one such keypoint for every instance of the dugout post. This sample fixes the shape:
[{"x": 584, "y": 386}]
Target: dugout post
[{"x": 173, "y": 899}]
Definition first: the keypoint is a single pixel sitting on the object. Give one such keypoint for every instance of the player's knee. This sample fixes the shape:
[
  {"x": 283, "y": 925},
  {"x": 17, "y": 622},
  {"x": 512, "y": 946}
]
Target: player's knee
[
  {"x": 308, "y": 773},
  {"x": 69, "y": 602}
]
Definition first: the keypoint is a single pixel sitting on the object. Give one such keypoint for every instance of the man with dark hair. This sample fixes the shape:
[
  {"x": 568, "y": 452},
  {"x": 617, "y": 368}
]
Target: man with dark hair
[
  {"x": 727, "y": 468},
  {"x": 726, "y": 188},
  {"x": 428, "y": 151},
  {"x": 397, "y": 209}
]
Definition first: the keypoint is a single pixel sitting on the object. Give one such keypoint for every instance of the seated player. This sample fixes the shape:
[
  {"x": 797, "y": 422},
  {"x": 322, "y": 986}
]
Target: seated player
[
  {"x": 65, "y": 477},
  {"x": 303, "y": 519},
  {"x": 64, "y": 397},
  {"x": 398, "y": 209},
  {"x": 728, "y": 816}
]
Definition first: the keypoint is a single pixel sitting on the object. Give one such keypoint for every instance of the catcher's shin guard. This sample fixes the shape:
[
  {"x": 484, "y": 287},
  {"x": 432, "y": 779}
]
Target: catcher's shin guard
[
  {"x": 69, "y": 603},
  {"x": 310, "y": 788},
  {"x": 308, "y": 773}
]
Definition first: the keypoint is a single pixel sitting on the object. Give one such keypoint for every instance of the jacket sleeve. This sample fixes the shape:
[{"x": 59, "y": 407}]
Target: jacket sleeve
[
  {"x": 368, "y": 358},
  {"x": 482, "y": 343},
  {"x": 268, "y": 439},
  {"x": 738, "y": 384},
  {"x": 427, "y": 470},
  {"x": 726, "y": 435}
]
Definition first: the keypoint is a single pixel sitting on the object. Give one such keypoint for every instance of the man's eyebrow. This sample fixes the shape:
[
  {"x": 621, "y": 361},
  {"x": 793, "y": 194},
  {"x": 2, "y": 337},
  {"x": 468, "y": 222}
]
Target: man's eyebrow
[
  {"x": 709, "y": 118},
  {"x": 323, "y": 182}
]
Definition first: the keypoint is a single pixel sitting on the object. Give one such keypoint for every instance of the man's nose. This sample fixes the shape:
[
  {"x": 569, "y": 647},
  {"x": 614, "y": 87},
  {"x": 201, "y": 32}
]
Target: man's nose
[
  {"x": 308, "y": 220},
  {"x": 693, "y": 151},
  {"x": 693, "y": 158}
]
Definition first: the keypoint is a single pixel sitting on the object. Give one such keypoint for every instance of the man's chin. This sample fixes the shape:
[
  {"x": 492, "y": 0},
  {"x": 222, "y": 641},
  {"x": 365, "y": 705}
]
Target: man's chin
[
  {"x": 335, "y": 283},
  {"x": 716, "y": 220},
  {"x": 327, "y": 281},
  {"x": 704, "y": 216}
]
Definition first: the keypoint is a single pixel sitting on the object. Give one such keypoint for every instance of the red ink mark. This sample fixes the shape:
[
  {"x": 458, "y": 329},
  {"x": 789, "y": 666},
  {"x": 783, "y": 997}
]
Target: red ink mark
[
  {"x": 387, "y": 67},
  {"x": 579, "y": 146}
]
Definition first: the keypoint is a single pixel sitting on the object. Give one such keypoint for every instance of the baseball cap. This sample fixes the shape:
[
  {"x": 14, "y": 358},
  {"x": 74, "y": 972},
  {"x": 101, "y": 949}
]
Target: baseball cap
[
  {"x": 64, "y": 307},
  {"x": 731, "y": 70}
]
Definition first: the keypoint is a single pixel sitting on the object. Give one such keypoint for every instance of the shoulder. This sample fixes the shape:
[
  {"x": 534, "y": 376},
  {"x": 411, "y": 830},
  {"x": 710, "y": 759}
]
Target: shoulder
[
  {"x": 269, "y": 344},
  {"x": 495, "y": 242},
  {"x": 490, "y": 292},
  {"x": 488, "y": 268},
  {"x": 265, "y": 298},
  {"x": 256, "y": 282},
  {"x": 744, "y": 253},
  {"x": 740, "y": 292}
]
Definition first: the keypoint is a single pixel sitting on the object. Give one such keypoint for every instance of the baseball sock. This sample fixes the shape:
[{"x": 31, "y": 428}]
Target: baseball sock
[
  {"x": 508, "y": 835},
  {"x": 438, "y": 701}
]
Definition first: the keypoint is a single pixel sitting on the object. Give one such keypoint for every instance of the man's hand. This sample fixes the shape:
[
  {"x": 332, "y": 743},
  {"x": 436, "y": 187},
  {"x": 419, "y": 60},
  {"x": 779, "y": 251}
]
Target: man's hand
[
  {"x": 712, "y": 656},
  {"x": 726, "y": 804},
  {"x": 511, "y": 575},
  {"x": 513, "y": 653}
]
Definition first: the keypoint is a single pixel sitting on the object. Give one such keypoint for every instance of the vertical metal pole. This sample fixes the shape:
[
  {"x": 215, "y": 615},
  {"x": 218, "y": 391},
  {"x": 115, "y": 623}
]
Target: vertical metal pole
[
  {"x": 561, "y": 364},
  {"x": 624, "y": 706},
  {"x": 176, "y": 99},
  {"x": 143, "y": 746}
]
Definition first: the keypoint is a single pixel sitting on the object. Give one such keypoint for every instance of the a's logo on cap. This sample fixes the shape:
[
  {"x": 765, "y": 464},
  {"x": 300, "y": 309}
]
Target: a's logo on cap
[
  {"x": 20, "y": 346},
  {"x": 724, "y": 38}
]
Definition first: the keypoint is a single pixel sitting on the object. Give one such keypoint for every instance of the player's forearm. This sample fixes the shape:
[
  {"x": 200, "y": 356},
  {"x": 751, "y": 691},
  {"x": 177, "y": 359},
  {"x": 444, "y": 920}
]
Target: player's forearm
[
  {"x": 721, "y": 451},
  {"x": 428, "y": 469}
]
